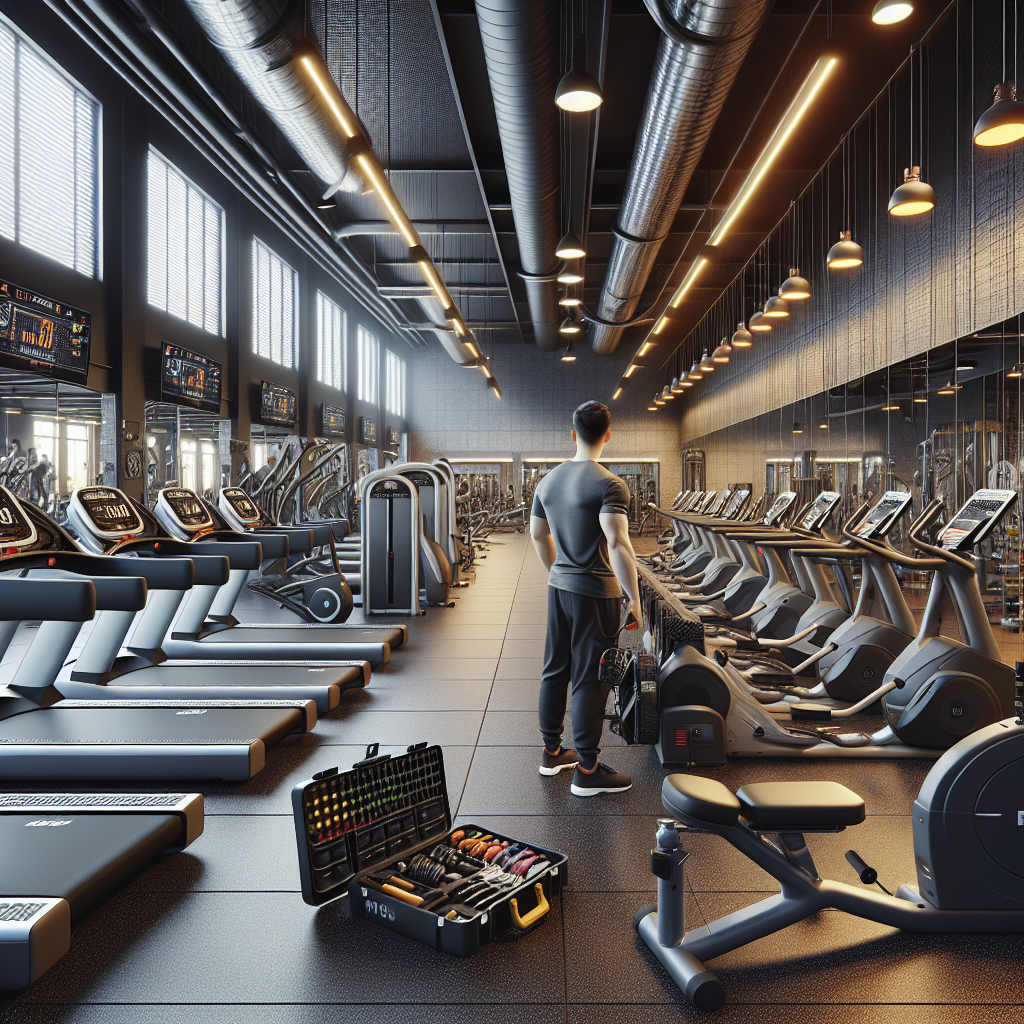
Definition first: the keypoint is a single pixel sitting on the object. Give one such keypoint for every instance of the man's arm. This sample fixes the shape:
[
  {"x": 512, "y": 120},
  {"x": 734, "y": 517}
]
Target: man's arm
[
  {"x": 615, "y": 527},
  {"x": 543, "y": 542}
]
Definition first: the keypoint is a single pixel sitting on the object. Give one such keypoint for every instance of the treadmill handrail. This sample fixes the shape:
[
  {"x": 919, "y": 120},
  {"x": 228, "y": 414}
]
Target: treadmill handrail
[
  {"x": 209, "y": 570},
  {"x": 159, "y": 574},
  {"x": 50, "y": 600}
]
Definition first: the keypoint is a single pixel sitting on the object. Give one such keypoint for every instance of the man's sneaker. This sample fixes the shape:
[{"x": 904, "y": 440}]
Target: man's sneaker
[
  {"x": 604, "y": 780},
  {"x": 552, "y": 764}
]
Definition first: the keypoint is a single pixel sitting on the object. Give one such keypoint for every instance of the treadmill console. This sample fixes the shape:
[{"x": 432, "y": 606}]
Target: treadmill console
[
  {"x": 821, "y": 508},
  {"x": 102, "y": 515},
  {"x": 780, "y": 507},
  {"x": 736, "y": 502},
  {"x": 181, "y": 513},
  {"x": 239, "y": 508},
  {"x": 884, "y": 515},
  {"x": 16, "y": 530},
  {"x": 976, "y": 519}
]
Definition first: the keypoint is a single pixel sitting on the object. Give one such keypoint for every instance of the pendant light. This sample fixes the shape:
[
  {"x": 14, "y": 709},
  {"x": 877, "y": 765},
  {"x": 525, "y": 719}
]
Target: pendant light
[
  {"x": 823, "y": 425},
  {"x": 685, "y": 382},
  {"x": 677, "y": 387},
  {"x": 569, "y": 276},
  {"x": 889, "y": 12},
  {"x": 568, "y": 356},
  {"x": 706, "y": 365},
  {"x": 570, "y": 300},
  {"x": 758, "y": 325},
  {"x": 570, "y": 327},
  {"x": 570, "y": 247},
  {"x": 776, "y": 308},
  {"x": 797, "y": 427},
  {"x": 845, "y": 253},
  {"x": 1003, "y": 122},
  {"x": 666, "y": 394},
  {"x": 949, "y": 388},
  {"x": 722, "y": 353},
  {"x": 742, "y": 338},
  {"x": 578, "y": 91},
  {"x": 695, "y": 373},
  {"x": 914, "y": 197},
  {"x": 1017, "y": 370},
  {"x": 658, "y": 400},
  {"x": 795, "y": 288}
]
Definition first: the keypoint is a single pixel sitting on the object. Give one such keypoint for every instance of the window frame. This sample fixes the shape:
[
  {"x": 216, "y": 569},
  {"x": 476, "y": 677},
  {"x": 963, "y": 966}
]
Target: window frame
[
  {"x": 258, "y": 243},
  {"x": 339, "y": 357},
  {"x": 368, "y": 345}
]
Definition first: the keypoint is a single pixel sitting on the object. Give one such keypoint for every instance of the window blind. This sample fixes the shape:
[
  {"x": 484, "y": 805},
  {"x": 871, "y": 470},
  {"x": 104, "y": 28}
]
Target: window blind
[
  {"x": 369, "y": 366},
  {"x": 330, "y": 343},
  {"x": 395, "y": 384},
  {"x": 275, "y": 301},
  {"x": 185, "y": 247},
  {"x": 49, "y": 157}
]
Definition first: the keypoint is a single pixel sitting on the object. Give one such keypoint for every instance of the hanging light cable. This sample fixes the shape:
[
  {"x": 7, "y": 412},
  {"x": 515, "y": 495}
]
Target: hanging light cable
[
  {"x": 578, "y": 91},
  {"x": 914, "y": 196}
]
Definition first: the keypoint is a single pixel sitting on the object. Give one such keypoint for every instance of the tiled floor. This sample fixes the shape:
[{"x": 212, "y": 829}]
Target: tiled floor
[{"x": 220, "y": 934}]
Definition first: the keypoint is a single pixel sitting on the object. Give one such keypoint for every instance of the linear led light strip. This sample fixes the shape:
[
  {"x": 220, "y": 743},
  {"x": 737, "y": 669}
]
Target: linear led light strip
[
  {"x": 312, "y": 63},
  {"x": 787, "y": 125}
]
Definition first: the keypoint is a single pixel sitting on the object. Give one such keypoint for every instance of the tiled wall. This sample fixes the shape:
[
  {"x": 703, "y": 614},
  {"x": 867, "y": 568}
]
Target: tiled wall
[{"x": 452, "y": 412}]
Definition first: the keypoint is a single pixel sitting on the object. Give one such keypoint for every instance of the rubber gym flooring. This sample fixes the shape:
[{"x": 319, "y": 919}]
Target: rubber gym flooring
[{"x": 220, "y": 933}]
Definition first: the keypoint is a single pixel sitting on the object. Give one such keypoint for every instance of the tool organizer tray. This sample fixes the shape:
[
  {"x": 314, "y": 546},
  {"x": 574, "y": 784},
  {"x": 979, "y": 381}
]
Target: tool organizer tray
[{"x": 359, "y": 831}]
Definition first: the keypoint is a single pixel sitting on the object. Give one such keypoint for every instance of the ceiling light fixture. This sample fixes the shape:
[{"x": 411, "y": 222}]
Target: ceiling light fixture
[
  {"x": 570, "y": 300},
  {"x": 618, "y": 392},
  {"x": 846, "y": 253},
  {"x": 686, "y": 383},
  {"x": 921, "y": 398},
  {"x": 695, "y": 373},
  {"x": 570, "y": 326},
  {"x": 776, "y": 308},
  {"x": 741, "y": 337},
  {"x": 472, "y": 348},
  {"x": 797, "y": 428},
  {"x": 325, "y": 206},
  {"x": 645, "y": 348},
  {"x": 666, "y": 394},
  {"x": 1003, "y": 122},
  {"x": 1017, "y": 370},
  {"x": 567, "y": 355},
  {"x": 570, "y": 247},
  {"x": 795, "y": 288},
  {"x": 660, "y": 326},
  {"x": 706, "y": 366},
  {"x": 630, "y": 370},
  {"x": 493, "y": 385},
  {"x": 658, "y": 400},
  {"x": 891, "y": 406},
  {"x": 948, "y": 389},
  {"x": 578, "y": 91},
  {"x": 677, "y": 388},
  {"x": 722, "y": 353},
  {"x": 758, "y": 325},
  {"x": 889, "y": 12},
  {"x": 823, "y": 425},
  {"x": 570, "y": 277},
  {"x": 691, "y": 275},
  {"x": 652, "y": 408},
  {"x": 913, "y": 197}
]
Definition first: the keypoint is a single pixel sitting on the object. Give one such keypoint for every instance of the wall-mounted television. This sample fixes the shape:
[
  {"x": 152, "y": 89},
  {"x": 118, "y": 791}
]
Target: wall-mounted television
[
  {"x": 392, "y": 437},
  {"x": 187, "y": 378},
  {"x": 277, "y": 404},
  {"x": 41, "y": 334},
  {"x": 333, "y": 421},
  {"x": 367, "y": 430}
]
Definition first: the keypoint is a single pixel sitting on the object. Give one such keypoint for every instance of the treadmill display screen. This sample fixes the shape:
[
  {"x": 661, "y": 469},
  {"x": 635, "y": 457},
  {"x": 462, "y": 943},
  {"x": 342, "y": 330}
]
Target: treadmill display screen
[
  {"x": 245, "y": 508},
  {"x": 333, "y": 421},
  {"x": 187, "y": 508},
  {"x": 976, "y": 519},
  {"x": 882, "y": 518},
  {"x": 819, "y": 510},
  {"x": 190, "y": 379},
  {"x": 109, "y": 510},
  {"x": 16, "y": 531},
  {"x": 735, "y": 503},
  {"x": 778, "y": 509},
  {"x": 277, "y": 404},
  {"x": 41, "y": 334}
]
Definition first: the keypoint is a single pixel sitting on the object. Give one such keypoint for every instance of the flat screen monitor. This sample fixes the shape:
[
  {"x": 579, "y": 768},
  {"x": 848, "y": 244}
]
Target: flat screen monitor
[
  {"x": 277, "y": 404},
  {"x": 333, "y": 421},
  {"x": 367, "y": 430},
  {"x": 43, "y": 335},
  {"x": 187, "y": 378},
  {"x": 392, "y": 437}
]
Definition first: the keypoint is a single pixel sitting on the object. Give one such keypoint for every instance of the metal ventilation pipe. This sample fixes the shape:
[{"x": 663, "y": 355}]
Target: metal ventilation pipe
[
  {"x": 521, "y": 40},
  {"x": 693, "y": 73},
  {"x": 255, "y": 37}
]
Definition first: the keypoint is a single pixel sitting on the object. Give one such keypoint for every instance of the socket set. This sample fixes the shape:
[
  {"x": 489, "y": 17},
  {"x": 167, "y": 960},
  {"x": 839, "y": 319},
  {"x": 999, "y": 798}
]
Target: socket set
[{"x": 382, "y": 834}]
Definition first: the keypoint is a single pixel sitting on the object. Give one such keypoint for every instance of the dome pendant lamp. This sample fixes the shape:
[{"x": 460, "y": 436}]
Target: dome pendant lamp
[
  {"x": 913, "y": 197},
  {"x": 776, "y": 308},
  {"x": 722, "y": 353},
  {"x": 889, "y": 12},
  {"x": 795, "y": 288},
  {"x": 570, "y": 248},
  {"x": 706, "y": 366},
  {"x": 666, "y": 394},
  {"x": 570, "y": 327},
  {"x": 846, "y": 253},
  {"x": 578, "y": 91},
  {"x": 1003, "y": 122},
  {"x": 757, "y": 324},
  {"x": 677, "y": 388},
  {"x": 695, "y": 373},
  {"x": 742, "y": 338}
]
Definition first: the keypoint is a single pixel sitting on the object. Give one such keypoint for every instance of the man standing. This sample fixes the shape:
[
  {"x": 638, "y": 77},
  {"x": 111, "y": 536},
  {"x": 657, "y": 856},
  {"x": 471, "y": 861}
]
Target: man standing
[{"x": 580, "y": 529}]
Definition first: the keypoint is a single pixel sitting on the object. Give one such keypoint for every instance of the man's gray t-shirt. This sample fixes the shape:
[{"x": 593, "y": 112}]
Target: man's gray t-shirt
[{"x": 571, "y": 497}]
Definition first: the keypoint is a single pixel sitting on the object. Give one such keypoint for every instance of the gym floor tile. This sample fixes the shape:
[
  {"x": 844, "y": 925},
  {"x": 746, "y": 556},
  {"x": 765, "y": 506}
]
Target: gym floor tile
[
  {"x": 526, "y": 631},
  {"x": 271, "y": 948},
  {"x": 295, "y": 1013},
  {"x": 397, "y": 728},
  {"x": 420, "y": 668},
  {"x": 505, "y": 780},
  {"x": 421, "y": 647},
  {"x": 519, "y": 668},
  {"x": 784, "y": 1013},
  {"x": 441, "y": 630},
  {"x": 515, "y": 695},
  {"x": 522, "y": 649},
  {"x": 406, "y": 694},
  {"x": 520, "y": 728},
  {"x": 837, "y": 958},
  {"x": 470, "y": 618}
]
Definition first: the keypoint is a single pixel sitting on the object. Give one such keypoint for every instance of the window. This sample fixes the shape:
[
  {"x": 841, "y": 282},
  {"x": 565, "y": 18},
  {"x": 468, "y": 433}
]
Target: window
[
  {"x": 396, "y": 385},
  {"x": 275, "y": 302},
  {"x": 330, "y": 343},
  {"x": 49, "y": 157},
  {"x": 369, "y": 366},
  {"x": 186, "y": 233}
]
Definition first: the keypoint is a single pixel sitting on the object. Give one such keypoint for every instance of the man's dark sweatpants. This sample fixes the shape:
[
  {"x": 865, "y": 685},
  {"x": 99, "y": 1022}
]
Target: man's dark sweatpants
[{"x": 580, "y": 630}]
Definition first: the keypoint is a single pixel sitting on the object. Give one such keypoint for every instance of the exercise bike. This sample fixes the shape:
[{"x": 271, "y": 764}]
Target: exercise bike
[{"x": 967, "y": 817}]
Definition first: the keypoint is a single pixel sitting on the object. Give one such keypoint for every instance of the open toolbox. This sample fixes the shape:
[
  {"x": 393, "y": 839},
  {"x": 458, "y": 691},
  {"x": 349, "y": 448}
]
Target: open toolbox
[{"x": 382, "y": 833}]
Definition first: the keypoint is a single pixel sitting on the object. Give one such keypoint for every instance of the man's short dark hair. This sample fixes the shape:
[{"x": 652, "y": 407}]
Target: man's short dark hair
[{"x": 591, "y": 421}]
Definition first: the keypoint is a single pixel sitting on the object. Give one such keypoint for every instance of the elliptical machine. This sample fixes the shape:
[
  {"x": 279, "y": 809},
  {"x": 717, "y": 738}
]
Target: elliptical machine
[{"x": 967, "y": 850}]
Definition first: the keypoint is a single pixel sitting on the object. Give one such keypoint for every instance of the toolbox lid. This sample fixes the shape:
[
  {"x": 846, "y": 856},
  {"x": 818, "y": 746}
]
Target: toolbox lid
[{"x": 382, "y": 809}]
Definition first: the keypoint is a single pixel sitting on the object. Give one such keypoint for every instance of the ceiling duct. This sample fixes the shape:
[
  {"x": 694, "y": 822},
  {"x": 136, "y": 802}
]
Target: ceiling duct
[
  {"x": 256, "y": 37},
  {"x": 521, "y": 46},
  {"x": 693, "y": 73}
]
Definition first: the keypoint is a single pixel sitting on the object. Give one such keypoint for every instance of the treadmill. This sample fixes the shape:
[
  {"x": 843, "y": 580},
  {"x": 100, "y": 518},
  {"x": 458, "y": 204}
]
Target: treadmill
[
  {"x": 64, "y": 853},
  {"x": 45, "y": 736},
  {"x": 106, "y": 519},
  {"x": 99, "y": 673}
]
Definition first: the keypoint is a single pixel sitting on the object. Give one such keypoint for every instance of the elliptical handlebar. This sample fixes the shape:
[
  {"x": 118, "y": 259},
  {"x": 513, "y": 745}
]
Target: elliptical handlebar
[
  {"x": 913, "y": 535},
  {"x": 885, "y": 550}
]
